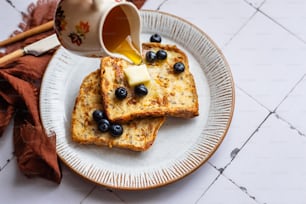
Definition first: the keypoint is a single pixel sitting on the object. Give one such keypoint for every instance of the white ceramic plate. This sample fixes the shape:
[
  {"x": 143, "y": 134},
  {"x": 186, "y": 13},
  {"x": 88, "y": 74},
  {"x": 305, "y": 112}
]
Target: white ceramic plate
[{"x": 181, "y": 146}]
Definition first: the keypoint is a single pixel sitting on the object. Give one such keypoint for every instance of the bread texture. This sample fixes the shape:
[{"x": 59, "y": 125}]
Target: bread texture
[
  {"x": 169, "y": 93},
  {"x": 138, "y": 135}
]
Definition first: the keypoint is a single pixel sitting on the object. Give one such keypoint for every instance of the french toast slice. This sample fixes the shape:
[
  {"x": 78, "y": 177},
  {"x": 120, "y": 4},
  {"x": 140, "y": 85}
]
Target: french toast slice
[
  {"x": 138, "y": 135},
  {"x": 169, "y": 93}
]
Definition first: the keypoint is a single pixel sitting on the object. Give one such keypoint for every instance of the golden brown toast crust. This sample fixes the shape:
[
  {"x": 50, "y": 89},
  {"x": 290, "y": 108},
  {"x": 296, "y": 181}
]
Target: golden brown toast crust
[
  {"x": 170, "y": 94},
  {"x": 138, "y": 135}
]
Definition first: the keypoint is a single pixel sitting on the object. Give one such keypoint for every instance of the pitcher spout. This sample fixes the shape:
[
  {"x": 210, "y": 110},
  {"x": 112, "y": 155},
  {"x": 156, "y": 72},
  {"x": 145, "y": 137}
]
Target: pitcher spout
[
  {"x": 134, "y": 20},
  {"x": 121, "y": 32}
]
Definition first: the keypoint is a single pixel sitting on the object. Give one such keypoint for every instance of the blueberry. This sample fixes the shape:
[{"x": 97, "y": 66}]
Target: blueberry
[
  {"x": 161, "y": 54},
  {"x": 98, "y": 115},
  {"x": 151, "y": 56},
  {"x": 116, "y": 130},
  {"x": 141, "y": 90},
  {"x": 179, "y": 67},
  {"x": 103, "y": 125},
  {"x": 121, "y": 93},
  {"x": 155, "y": 38}
]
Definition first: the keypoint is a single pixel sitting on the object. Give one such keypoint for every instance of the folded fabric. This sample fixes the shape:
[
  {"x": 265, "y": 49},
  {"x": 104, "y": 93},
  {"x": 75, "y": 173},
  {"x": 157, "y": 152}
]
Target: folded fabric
[
  {"x": 19, "y": 100},
  {"x": 20, "y": 83}
]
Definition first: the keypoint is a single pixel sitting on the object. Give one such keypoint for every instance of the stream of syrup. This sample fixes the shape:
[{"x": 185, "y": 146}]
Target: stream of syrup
[{"x": 116, "y": 36}]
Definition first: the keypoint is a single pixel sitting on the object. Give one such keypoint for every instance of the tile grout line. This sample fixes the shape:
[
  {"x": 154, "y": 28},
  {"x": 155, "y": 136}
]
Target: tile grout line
[
  {"x": 291, "y": 90},
  {"x": 116, "y": 194},
  {"x": 237, "y": 150},
  {"x": 258, "y": 9},
  {"x": 282, "y": 26},
  {"x": 251, "y": 4},
  {"x": 243, "y": 189},
  {"x": 88, "y": 194},
  {"x": 287, "y": 30},
  {"x": 291, "y": 126},
  {"x": 240, "y": 29},
  {"x": 161, "y": 4},
  {"x": 11, "y": 3},
  {"x": 234, "y": 154},
  {"x": 210, "y": 185},
  {"x": 262, "y": 3},
  {"x": 7, "y": 162},
  {"x": 13, "y": 6},
  {"x": 253, "y": 98},
  {"x": 301, "y": 133},
  {"x": 248, "y": 20}
]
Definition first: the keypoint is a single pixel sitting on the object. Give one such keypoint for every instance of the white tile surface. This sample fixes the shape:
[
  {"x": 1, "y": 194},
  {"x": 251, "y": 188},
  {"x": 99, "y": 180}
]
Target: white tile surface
[
  {"x": 266, "y": 51},
  {"x": 7, "y": 27},
  {"x": 19, "y": 189},
  {"x": 272, "y": 165},
  {"x": 153, "y": 5},
  {"x": 293, "y": 109},
  {"x": 219, "y": 19},
  {"x": 290, "y": 14},
  {"x": 224, "y": 191},
  {"x": 266, "y": 60},
  {"x": 246, "y": 109},
  {"x": 101, "y": 195},
  {"x": 188, "y": 190},
  {"x": 6, "y": 146},
  {"x": 255, "y": 3},
  {"x": 23, "y": 6}
]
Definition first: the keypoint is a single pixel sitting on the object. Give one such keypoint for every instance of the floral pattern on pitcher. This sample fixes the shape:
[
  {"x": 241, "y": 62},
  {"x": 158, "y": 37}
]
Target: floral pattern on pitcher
[
  {"x": 81, "y": 29},
  {"x": 60, "y": 22}
]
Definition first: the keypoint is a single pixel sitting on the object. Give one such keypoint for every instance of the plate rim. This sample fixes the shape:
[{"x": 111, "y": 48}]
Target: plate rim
[{"x": 216, "y": 146}]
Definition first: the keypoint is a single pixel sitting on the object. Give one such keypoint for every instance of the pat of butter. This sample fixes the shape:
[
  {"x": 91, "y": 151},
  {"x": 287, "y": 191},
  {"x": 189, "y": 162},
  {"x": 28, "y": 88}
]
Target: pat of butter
[{"x": 137, "y": 74}]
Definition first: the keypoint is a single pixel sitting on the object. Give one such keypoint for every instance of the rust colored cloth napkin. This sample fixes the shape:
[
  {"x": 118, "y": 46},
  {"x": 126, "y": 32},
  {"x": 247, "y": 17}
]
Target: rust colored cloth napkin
[
  {"x": 19, "y": 92},
  {"x": 19, "y": 100}
]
